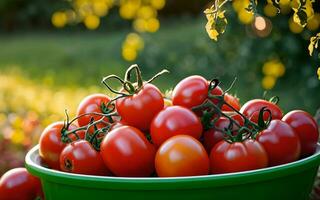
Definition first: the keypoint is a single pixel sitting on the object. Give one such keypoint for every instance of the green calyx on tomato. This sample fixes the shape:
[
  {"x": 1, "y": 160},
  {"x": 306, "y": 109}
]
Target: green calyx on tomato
[{"x": 136, "y": 102}]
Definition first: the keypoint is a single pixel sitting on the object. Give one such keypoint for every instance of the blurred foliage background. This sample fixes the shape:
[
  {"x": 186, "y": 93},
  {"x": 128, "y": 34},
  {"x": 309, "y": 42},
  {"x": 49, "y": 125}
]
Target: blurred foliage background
[{"x": 55, "y": 52}]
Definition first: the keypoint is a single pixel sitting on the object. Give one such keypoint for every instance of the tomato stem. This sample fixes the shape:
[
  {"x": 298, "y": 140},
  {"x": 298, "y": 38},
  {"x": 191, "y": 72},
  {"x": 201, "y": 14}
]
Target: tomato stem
[
  {"x": 130, "y": 88},
  {"x": 65, "y": 133},
  {"x": 139, "y": 79},
  {"x": 107, "y": 78},
  {"x": 275, "y": 100},
  {"x": 213, "y": 111},
  {"x": 158, "y": 75}
]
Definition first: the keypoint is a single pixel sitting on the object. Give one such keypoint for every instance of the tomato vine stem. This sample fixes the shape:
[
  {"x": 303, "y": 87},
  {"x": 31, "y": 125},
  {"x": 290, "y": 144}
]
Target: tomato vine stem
[{"x": 213, "y": 111}]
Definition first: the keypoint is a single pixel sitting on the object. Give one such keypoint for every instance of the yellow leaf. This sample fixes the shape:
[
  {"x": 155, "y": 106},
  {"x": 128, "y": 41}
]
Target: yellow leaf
[
  {"x": 318, "y": 72},
  {"x": 212, "y": 32},
  {"x": 314, "y": 42},
  {"x": 310, "y": 49},
  {"x": 216, "y": 21}
]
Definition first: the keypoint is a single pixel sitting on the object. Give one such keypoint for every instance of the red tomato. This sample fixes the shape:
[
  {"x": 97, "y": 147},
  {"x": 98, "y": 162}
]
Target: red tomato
[
  {"x": 174, "y": 120},
  {"x": 117, "y": 125},
  {"x": 18, "y": 184},
  {"x": 233, "y": 101},
  {"x": 181, "y": 155},
  {"x": 81, "y": 158},
  {"x": 213, "y": 136},
  {"x": 89, "y": 104},
  {"x": 81, "y": 134},
  {"x": 51, "y": 144},
  {"x": 218, "y": 92},
  {"x": 191, "y": 91},
  {"x": 127, "y": 152},
  {"x": 228, "y": 157},
  {"x": 138, "y": 110},
  {"x": 306, "y": 128},
  {"x": 281, "y": 143},
  {"x": 252, "y": 108}
]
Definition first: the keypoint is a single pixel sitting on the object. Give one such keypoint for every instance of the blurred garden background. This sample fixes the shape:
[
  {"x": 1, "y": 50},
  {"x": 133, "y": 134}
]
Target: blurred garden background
[{"x": 55, "y": 52}]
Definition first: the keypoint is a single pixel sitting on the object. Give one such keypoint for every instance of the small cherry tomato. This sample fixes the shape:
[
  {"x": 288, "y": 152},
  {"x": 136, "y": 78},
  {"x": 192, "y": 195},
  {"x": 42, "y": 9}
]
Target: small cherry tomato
[
  {"x": 127, "y": 152},
  {"x": 92, "y": 104},
  {"x": 228, "y": 157},
  {"x": 281, "y": 143},
  {"x": 81, "y": 134},
  {"x": 18, "y": 184},
  {"x": 181, "y": 155},
  {"x": 117, "y": 125},
  {"x": 306, "y": 128},
  {"x": 217, "y": 91},
  {"x": 213, "y": 136},
  {"x": 191, "y": 91},
  {"x": 139, "y": 109},
  {"x": 51, "y": 144},
  {"x": 174, "y": 120},
  {"x": 231, "y": 100},
  {"x": 81, "y": 158},
  {"x": 252, "y": 108}
]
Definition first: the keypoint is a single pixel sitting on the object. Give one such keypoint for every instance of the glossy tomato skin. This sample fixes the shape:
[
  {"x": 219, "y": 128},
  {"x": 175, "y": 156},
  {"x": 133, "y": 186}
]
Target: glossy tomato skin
[
  {"x": 191, "y": 91},
  {"x": 174, "y": 120},
  {"x": 81, "y": 134},
  {"x": 213, "y": 136},
  {"x": 90, "y": 104},
  {"x": 138, "y": 110},
  {"x": 117, "y": 125},
  {"x": 252, "y": 108},
  {"x": 50, "y": 144},
  {"x": 81, "y": 158},
  {"x": 218, "y": 92},
  {"x": 231, "y": 100},
  {"x": 281, "y": 143},
  {"x": 127, "y": 152},
  {"x": 18, "y": 184},
  {"x": 238, "y": 156},
  {"x": 181, "y": 155},
  {"x": 306, "y": 128}
]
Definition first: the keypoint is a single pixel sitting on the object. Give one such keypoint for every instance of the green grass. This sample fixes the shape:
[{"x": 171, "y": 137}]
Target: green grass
[{"x": 71, "y": 59}]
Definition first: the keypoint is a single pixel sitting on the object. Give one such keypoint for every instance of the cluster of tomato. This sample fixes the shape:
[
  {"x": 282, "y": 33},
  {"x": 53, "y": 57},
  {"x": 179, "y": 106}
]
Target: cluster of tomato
[{"x": 198, "y": 129}]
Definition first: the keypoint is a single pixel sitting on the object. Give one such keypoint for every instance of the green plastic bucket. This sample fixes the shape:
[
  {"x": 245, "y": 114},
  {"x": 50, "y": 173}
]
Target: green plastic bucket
[{"x": 292, "y": 181}]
